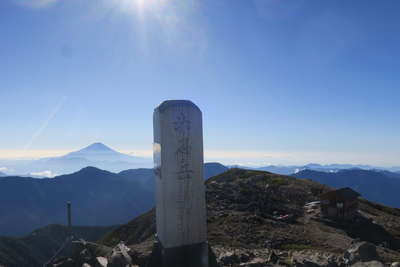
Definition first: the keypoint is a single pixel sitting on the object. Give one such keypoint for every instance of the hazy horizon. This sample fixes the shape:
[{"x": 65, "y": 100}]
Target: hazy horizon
[{"x": 244, "y": 158}]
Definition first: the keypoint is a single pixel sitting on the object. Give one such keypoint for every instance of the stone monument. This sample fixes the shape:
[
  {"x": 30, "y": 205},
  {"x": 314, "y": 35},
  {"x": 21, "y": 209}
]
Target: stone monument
[{"x": 180, "y": 192}]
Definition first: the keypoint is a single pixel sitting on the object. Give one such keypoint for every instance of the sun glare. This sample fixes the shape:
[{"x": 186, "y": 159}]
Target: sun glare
[{"x": 140, "y": 6}]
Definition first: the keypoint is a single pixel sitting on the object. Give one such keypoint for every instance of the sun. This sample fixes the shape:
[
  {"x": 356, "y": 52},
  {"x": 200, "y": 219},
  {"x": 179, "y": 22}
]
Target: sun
[{"x": 139, "y": 6}]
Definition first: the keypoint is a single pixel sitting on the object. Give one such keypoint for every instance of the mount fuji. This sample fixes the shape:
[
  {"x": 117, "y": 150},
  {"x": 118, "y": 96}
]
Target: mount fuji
[
  {"x": 100, "y": 152},
  {"x": 95, "y": 155}
]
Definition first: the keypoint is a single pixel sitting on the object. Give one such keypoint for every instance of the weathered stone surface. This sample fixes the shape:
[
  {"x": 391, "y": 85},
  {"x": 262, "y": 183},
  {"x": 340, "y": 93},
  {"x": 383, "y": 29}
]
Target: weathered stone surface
[
  {"x": 155, "y": 258},
  {"x": 178, "y": 158}
]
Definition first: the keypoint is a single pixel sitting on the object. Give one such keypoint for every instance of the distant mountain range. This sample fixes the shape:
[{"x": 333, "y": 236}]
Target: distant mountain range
[
  {"x": 375, "y": 185},
  {"x": 287, "y": 170},
  {"x": 97, "y": 155},
  {"x": 98, "y": 198},
  {"x": 103, "y": 157}
]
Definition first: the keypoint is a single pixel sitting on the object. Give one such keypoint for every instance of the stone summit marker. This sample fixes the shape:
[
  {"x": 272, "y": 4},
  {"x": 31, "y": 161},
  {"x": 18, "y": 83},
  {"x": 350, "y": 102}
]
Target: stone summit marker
[{"x": 180, "y": 192}]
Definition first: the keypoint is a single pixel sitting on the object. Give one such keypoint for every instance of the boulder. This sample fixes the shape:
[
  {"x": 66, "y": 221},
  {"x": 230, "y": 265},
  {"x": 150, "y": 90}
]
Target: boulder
[
  {"x": 368, "y": 264},
  {"x": 361, "y": 252}
]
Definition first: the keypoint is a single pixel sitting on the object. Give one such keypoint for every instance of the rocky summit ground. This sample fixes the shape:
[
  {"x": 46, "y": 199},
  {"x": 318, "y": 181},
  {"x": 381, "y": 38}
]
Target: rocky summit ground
[
  {"x": 258, "y": 218},
  {"x": 247, "y": 226}
]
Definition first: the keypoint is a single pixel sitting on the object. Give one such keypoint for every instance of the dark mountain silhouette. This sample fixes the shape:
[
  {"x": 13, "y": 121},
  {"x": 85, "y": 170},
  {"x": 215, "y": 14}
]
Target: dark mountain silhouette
[
  {"x": 146, "y": 179},
  {"x": 98, "y": 198},
  {"x": 375, "y": 185},
  {"x": 40, "y": 245},
  {"x": 32, "y": 203},
  {"x": 213, "y": 168}
]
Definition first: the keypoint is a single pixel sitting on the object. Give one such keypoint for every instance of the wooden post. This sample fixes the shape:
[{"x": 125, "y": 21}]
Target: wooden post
[{"x": 69, "y": 214}]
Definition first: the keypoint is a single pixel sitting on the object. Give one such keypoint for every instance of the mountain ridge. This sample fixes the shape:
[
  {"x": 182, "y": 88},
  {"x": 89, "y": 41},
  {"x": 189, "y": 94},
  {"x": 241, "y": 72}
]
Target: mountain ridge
[
  {"x": 290, "y": 169},
  {"x": 91, "y": 191},
  {"x": 376, "y": 185}
]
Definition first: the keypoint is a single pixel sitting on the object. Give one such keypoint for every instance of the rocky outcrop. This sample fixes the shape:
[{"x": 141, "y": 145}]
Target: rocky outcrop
[
  {"x": 244, "y": 227},
  {"x": 361, "y": 252}
]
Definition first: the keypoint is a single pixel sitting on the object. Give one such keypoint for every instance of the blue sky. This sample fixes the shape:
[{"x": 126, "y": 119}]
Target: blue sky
[{"x": 278, "y": 81}]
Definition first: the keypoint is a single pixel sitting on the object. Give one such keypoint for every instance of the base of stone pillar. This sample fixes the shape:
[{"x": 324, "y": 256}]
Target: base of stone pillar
[
  {"x": 182, "y": 257},
  {"x": 195, "y": 255}
]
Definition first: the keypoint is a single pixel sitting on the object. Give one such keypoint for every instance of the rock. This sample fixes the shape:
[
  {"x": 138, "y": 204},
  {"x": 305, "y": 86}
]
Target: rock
[
  {"x": 117, "y": 260},
  {"x": 256, "y": 262},
  {"x": 102, "y": 261},
  {"x": 273, "y": 258},
  {"x": 120, "y": 257},
  {"x": 85, "y": 255},
  {"x": 361, "y": 252},
  {"x": 229, "y": 258},
  {"x": 86, "y": 265},
  {"x": 64, "y": 263},
  {"x": 395, "y": 264},
  {"x": 368, "y": 264}
]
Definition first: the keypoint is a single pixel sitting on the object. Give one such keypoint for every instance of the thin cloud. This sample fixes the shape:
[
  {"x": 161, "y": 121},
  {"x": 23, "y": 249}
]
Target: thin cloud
[
  {"x": 264, "y": 158},
  {"x": 47, "y": 174},
  {"x": 13, "y": 154}
]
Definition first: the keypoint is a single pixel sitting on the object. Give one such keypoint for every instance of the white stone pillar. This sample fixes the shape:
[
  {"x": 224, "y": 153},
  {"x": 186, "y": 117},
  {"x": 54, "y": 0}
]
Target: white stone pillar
[{"x": 180, "y": 192}]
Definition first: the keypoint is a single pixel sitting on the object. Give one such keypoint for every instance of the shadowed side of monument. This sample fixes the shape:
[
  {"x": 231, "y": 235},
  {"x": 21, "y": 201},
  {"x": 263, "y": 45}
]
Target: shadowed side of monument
[{"x": 180, "y": 191}]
